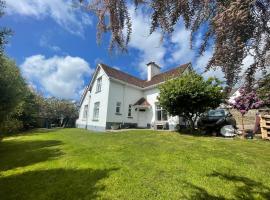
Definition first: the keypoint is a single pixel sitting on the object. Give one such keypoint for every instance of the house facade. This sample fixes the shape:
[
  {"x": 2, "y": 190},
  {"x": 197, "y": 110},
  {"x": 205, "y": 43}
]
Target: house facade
[{"x": 115, "y": 98}]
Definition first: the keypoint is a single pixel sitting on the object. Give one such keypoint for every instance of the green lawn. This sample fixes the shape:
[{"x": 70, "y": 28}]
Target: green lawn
[{"x": 78, "y": 164}]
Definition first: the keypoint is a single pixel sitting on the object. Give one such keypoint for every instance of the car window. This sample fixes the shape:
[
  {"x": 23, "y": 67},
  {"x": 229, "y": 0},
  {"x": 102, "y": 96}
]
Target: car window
[{"x": 216, "y": 113}]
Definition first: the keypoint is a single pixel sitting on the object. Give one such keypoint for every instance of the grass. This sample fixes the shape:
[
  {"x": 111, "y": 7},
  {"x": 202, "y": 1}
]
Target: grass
[{"x": 78, "y": 164}]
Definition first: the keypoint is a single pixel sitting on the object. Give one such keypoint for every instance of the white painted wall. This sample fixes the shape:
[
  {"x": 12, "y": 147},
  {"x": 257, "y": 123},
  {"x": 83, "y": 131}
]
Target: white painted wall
[
  {"x": 152, "y": 97},
  {"x": 101, "y": 97},
  {"x": 120, "y": 92},
  {"x": 94, "y": 97},
  {"x": 113, "y": 91},
  {"x": 82, "y": 122},
  {"x": 152, "y": 70}
]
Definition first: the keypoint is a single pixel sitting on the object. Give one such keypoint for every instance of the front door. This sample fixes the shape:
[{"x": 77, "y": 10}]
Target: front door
[{"x": 142, "y": 119}]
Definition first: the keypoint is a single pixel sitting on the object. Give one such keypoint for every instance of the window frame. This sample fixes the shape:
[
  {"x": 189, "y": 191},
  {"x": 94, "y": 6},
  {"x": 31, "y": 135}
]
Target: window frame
[
  {"x": 96, "y": 111},
  {"x": 85, "y": 112},
  {"x": 99, "y": 84},
  {"x": 118, "y": 108},
  {"x": 162, "y": 112},
  {"x": 130, "y": 111}
]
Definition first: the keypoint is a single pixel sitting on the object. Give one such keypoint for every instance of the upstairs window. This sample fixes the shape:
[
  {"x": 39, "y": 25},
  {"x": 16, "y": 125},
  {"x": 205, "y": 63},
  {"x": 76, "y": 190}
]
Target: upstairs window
[
  {"x": 96, "y": 111},
  {"x": 99, "y": 83},
  {"x": 161, "y": 114},
  {"x": 118, "y": 108},
  {"x": 129, "y": 110},
  {"x": 85, "y": 111}
]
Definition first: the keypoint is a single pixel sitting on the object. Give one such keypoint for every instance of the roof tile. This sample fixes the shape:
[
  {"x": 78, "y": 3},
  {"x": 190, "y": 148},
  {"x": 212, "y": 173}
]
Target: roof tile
[{"x": 159, "y": 78}]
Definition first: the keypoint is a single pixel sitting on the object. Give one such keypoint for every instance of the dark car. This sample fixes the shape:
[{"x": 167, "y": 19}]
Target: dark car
[{"x": 213, "y": 120}]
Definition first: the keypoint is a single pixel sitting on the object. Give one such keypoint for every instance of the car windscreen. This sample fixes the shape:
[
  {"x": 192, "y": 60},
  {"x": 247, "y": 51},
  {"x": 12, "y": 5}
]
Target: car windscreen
[{"x": 216, "y": 113}]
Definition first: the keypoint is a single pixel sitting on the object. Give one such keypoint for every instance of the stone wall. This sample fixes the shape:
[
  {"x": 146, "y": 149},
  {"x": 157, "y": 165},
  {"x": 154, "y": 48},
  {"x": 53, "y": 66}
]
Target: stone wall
[{"x": 249, "y": 119}]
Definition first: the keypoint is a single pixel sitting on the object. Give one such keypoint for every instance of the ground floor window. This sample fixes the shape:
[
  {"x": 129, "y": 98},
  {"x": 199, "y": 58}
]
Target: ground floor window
[
  {"x": 118, "y": 108},
  {"x": 96, "y": 111},
  {"x": 161, "y": 114},
  {"x": 85, "y": 111},
  {"x": 129, "y": 110}
]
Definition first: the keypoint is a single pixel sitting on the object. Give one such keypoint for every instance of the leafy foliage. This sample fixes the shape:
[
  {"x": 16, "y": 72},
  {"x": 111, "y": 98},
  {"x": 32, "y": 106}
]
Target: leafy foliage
[
  {"x": 238, "y": 27},
  {"x": 190, "y": 95},
  {"x": 60, "y": 112},
  {"x": 4, "y": 32},
  {"x": 264, "y": 89},
  {"x": 246, "y": 101},
  {"x": 12, "y": 87}
]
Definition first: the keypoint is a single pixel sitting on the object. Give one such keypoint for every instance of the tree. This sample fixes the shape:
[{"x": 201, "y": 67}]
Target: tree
[
  {"x": 190, "y": 95},
  {"x": 57, "y": 111},
  {"x": 29, "y": 109},
  {"x": 12, "y": 87},
  {"x": 245, "y": 102},
  {"x": 264, "y": 89},
  {"x": 237, "y": 27},
  {"x": 4, "y": 32}
]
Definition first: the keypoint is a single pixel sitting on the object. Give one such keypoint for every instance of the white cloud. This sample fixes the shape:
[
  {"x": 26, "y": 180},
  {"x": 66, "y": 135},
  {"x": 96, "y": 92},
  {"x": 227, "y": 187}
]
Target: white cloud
[
  {"x": 61, "y": 11},
  {"x": 149, "y": 46},
  {"x": 172, "y": 51},
  {"x": 181, "y": 52},
  {"x": 62, "y": 77},
  {"x": 44, "y": 42}
]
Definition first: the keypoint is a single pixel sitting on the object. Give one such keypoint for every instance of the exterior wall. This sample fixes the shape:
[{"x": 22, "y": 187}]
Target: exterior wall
[
  {"x": 81, "y": 122},
  {"x": 102, "y": 97},
  {"x": 113, "y": 91},
  {"x": 151, "y": 96},
  {"x": 125, "y": 94}
]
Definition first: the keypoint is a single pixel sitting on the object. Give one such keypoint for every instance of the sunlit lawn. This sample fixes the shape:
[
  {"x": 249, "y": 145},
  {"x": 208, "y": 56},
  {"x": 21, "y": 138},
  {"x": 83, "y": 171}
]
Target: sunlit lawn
[{"x": 78, "y": 164}]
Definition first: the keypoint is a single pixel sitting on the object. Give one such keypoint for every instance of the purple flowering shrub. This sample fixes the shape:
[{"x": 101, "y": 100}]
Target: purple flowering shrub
[{"x": 246, "y": 101}]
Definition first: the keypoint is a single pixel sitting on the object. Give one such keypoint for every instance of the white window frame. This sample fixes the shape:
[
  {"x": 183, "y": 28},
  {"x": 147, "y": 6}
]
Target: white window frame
[
  {"x": 118, "y": 108},
  {"x": 161, "y": 110},
  {"x": 85, "y": 112},
  {"x": 99, "y": 84},
  {"x": 96, "y": 111},
  {"x": 130, "y": 110}
]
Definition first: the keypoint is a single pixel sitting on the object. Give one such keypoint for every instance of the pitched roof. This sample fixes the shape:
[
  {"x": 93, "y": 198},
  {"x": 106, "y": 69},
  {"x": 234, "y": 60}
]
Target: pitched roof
[
  {"x": 142, "y": 102},
  {"x": 159, "y": 78}
]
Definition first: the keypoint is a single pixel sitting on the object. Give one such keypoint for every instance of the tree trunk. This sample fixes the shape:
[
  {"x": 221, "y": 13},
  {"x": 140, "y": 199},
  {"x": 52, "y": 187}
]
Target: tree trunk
[
  {"x": 243, "y": 128},
  {"x": 192, "y": 124}
]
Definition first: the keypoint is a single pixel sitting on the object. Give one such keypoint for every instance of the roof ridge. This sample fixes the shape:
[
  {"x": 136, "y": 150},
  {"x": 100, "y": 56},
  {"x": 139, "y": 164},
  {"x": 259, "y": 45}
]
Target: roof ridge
[
  {"x": 121, "y": 71},
  {"x": 131, "y": 79}
]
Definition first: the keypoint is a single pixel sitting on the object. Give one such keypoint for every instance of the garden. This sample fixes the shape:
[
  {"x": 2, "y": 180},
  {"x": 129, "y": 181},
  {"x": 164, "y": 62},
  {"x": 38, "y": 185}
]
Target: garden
[{"x": 142, "y": 164}]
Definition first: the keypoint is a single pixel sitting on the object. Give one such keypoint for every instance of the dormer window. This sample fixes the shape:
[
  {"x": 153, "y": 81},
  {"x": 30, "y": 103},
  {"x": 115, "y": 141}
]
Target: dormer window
[{"x": 99, "y": 83}]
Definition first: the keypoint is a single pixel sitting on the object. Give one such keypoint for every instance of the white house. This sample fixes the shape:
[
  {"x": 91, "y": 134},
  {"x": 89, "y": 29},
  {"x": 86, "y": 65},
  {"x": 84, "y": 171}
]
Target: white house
[{"x": 114, "y": 98}]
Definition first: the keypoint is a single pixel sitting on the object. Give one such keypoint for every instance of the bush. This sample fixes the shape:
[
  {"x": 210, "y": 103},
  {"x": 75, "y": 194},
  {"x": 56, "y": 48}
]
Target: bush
[{"x": 10, "y": 126}]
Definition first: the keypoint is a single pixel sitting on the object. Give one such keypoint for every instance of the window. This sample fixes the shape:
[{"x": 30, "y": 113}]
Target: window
[
  {"x": 118, "y": 108},
  {"x": 216, "y": 113},
  {"x": 162, "y": 114},
  {"x": 129, "y": 110},
  {"x": 85, "y": 111},
  {"x": 96, "y": 111},
  {"x": 99, "y": 83}
]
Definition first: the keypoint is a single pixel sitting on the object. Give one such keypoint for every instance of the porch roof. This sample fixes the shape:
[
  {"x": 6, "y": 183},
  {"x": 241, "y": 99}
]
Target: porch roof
[{"x": 142, "y": 102}]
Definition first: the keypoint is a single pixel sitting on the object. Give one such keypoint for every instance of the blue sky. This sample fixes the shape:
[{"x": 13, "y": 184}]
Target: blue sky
[{"x": 55, "y": 46}]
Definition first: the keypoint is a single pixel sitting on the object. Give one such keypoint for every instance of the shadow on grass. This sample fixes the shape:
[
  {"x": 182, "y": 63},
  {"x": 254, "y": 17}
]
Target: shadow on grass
[
  {"x": 31, "y": 132},
  {"x": 196, "y": 133},
  {"x": 15, "y": 154},
  {"x": 54, "y": 184},
  {"x": 245, "y": 188},
  {"x": 200, "y": 193}
]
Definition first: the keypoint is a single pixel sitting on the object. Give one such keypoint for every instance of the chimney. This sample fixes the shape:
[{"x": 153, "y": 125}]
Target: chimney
[{"x": 152, "y": 70}]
